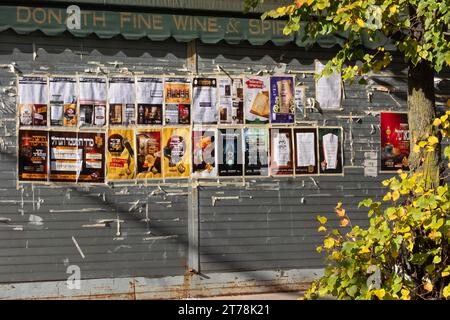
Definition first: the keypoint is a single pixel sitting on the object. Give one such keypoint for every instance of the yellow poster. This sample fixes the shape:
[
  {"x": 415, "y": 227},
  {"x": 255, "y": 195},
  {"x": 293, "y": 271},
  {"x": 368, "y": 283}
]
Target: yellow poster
[
  {"x": 177, "y": 152},
  {"x": 148, "y": 153},
  {"x": 120, "y": 157}
]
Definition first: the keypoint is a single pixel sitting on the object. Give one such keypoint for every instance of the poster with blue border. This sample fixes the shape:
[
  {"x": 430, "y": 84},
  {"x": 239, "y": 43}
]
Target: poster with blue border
[{"x": 282, "y": 100}]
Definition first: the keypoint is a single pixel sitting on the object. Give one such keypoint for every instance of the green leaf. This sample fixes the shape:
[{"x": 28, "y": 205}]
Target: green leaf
[
  {"x": 437, "y": 259},
  {"x": 352, "y": 290}
]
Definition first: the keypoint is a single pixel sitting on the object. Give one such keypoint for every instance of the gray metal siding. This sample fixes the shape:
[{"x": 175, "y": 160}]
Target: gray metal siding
[
  {"x": 277, "y": 227},
  {"x": 43, "y": 252}
]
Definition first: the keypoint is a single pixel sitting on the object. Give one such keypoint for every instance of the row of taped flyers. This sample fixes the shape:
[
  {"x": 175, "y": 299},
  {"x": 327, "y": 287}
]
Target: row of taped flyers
[
  {"x": 88, "y": 101},
  {"x": 177, "y": 152}
]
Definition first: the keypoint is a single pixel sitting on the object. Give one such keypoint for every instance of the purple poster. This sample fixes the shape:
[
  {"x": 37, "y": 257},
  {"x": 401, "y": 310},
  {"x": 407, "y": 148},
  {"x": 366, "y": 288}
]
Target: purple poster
[{"x": 282, "y": 100}]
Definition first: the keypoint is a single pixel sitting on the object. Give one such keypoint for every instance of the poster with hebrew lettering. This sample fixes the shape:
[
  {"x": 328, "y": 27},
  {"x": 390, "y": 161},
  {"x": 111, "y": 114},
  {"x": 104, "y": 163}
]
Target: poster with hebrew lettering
[
  {"x": 63, "y": 101},
  {"x": 395, "y": 143},
  {"x": 281, "y": 152},
  {"x": 204, "y": 101},
  {"x": 92, "y": 102},
  {"x": 120, "y": 155},
  {"x": 204, "y": 153},
  {"x": 92, "y": 146},
  {"x": 177, "y": 101},
  {"x": 229, "y": 149},
  {"x": 121, "y": 98},
  {"x": 305, "y": 143},
  {"x": 328, "y": 89},
  {"x": 282, "y": 100},
  {"x": 256, "y": 152},
  {"x": 32, "y": 101},
  {"x": 330, "y": 150},
  {"x": 177, "y": 152},
  {"x": 256, "y": 99},
  {"x": 231, "y": 100},
  {"x": 33, "y": 155},
  {"x": 149, "y": 153},
  {"x": 150, "y": 98},
  {"x": 65, "y": 156}
]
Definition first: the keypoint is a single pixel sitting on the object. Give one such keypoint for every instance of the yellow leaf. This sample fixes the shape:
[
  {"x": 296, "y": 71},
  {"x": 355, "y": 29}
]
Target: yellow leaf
[
  {"x": 445, "y": 273},
  {"x": 380, "y": 293},
  {"x": 448, "y": 103},
  {"x": 340, "y": 212},
  {"x": 364, "y": 250},
  {"x": 405, "y": 294},
  {"x": 344, "y": 222},
  {"x": 436, "y": 122},
  {"x": 433, "y": 140},
  {"x": 322, "y": 228},
  {"x": 387, "y": 197},
  {"x": 416, "y": 148},
  {"x": 328, "y": 243},
  {"x": 360, "y": 22},
  {"x": 393, "y": 9},
  {"x": 428, "y": 286},
  {"x": 395, "y": 195}
]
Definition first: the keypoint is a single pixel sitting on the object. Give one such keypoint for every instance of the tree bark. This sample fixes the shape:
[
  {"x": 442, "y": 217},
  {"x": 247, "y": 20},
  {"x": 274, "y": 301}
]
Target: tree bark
[{"x": 421, "y": 113}]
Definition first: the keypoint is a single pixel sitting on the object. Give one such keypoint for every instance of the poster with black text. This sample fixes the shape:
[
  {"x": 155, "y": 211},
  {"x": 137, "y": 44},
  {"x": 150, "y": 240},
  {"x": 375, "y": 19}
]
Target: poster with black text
[
  {"x": 330, "y": 150},
  {"x": 282, "y": 102},
  {"x": 305, "y": 143},
  {"x": 63, "y": 102},
  {"x": 204, "y": 101},
  {"x": 33, "y": 155},
  {"x": 92, "y": 146},
  {"x": 121, "y": 98},
  {"x": 177, "y": 99},
  {"x": 256, "y": 99},
  {"x": 229, "y": 149},
  {"x": 150, "y": 98},
  {"x": 231, "y": 100},
  {"x": 256, "y": 144},
  {"x": 281, "y": 153},
  {"x": 32, "y": 101},
  {"x": 92, "y": 102},
  {"x": 65, "y": 156}
]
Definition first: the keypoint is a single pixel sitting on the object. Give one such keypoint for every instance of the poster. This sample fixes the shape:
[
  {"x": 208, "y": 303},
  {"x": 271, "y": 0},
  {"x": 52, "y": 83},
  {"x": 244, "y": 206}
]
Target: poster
[
  {"x": 395, "y": 144},
  {"x": 203, "y": 153},
  {"x": 121, "y": 98},
  {"x": 120, "y": 158},
  {"x": 177, "y": 152},
  {"x": 32, "y": 104},
  {"x": 256, "y": 152},
  {"x": 330, "y": 150},
  {"x": 63, "y": 101},
  {"x": 328, "y": 89},
  {"x": 281, "y": 153},
  {"x": 282, "y": 102},
  {"x": 231, "y": 100},
  {"x": 65, "y": 157},
  {"x": 256, "y": 99},
  {"x": 92, "y": 145},
  {"x": 92, "y": 102},
  {"x": 229, "y": 149},
  {"x": 204, "y": 101},
  {"x": 33, "y": 148},
  {"x": 300, "y": 99},
  {"x": 177, "y": 98},
  {"x": 305, "y": 143},
  {"x": 150, "y": 96},
  {"x": 149, "y": 164}
]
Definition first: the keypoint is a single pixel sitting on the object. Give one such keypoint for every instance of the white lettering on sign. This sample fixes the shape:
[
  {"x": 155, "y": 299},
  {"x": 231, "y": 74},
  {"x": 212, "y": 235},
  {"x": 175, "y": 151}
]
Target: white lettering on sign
[{"x": 73, "y": 17}]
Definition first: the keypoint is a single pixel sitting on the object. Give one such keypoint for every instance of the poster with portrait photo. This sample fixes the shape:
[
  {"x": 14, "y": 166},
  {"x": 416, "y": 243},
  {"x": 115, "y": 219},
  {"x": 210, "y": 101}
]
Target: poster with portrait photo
[
  {"x": 256, "y": 99},
  {"x": 395, "y": 143},
  {"x": 330, "y": 150},
  {"x": 32, "y": 101},
  {"x": 177, "y": 101},
  {"x": 149, "y": 154},
  {"x": 282, "y": 100},
  {"x": 229, "y": 151},
  {"x": 231, "y": 100},
  {"x": 92, "y": 102},
  {"x": 63, "y": 101},
  {"x": 33, "y": 155},
  {"x": 121, "y": 98},
  {"x": 203, "y": 153},
  {"x": 177, "y": 152},
  {"x": 281, "y": 152},
  {"x": 305, "y": 143},
  {"x": 150, "y": 98},
  {"x": 120, "y": 155},
  {"x": 204, "y": 101},
  {"x": 256, "y": 152}
]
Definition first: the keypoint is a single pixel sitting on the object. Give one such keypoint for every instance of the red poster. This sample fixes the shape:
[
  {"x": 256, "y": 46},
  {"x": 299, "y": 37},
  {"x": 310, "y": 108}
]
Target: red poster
[
  {"x": 33, "y": 148},
  {"x": 394, "y": 141}
]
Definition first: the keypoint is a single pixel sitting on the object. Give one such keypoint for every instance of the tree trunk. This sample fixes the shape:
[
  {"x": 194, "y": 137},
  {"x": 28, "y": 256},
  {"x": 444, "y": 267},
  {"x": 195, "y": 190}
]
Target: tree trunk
[{"x": 421, "y": 113}]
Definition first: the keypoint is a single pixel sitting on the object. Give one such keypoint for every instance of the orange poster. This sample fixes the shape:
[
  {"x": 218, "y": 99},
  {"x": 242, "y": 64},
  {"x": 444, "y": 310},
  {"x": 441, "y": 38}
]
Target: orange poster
[
  {"x": 120, "y": 156},
  {"x": 177, "y": 152}
]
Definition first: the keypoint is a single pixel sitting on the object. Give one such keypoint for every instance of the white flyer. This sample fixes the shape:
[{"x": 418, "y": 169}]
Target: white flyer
[
  {"x": 150, "y": 90},
  {"x": 92, "y": 90},
  {"x": 32, "y": 90},
  {"x": 305, "y": 149},
  {"x": 121, "y": 90},
  {"x": 205, "y": 101},
  {"x": 282, "y": 149},
  {"x": 330, "y": 149},
  {"x": 328, "y": 89}
]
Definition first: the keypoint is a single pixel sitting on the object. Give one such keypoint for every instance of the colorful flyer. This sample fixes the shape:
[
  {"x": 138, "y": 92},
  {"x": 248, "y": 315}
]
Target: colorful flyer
[
  {"x": 305, "y": 142},
  {"x": 63, "y": 101},
  {"x": 177, "y": 152},
  {"x": 121, "y": 98},
  {"x": 231, "y": 100},
  {"x": 229, "y": 149},
  {"x": 256, "y": 144},
  {"x": 65, "y": 156},
  {"x": 177, "y": 99},
  {"x": 282, "y": 100},
  {"x": 281, "y": 155},
  {"x": 32, "y": 101},
  {"x": 330, "y": 150},
  {"x": 149, "y": 164},
  {"x": 92, "y": 102},
  {"x": 33, "y": 155},
  {"x": 204, "y": 101},
  {"x": 150, "y": 98},
  {"x": 395, "y": 142},
  {"x": 120, "y": 157},
  {"x": 256, "y": 99},
  {"x": 92, "y": 146},
  {"x": 203, "y": 153}
]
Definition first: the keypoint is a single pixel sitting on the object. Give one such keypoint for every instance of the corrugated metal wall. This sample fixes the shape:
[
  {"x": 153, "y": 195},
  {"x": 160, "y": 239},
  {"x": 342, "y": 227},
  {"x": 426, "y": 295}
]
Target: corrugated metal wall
[{"x": 271, "y": 225}]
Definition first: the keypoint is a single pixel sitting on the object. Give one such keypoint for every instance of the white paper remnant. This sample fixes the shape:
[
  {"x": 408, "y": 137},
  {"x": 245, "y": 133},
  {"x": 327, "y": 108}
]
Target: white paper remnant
[
  {"x": 328, "y": 89},
  {"x": 305, "y": 149},
  {"x": 121, "y": 90},
  {"x": 330, "y": 149},
  {"x": 150, "y": 91}
]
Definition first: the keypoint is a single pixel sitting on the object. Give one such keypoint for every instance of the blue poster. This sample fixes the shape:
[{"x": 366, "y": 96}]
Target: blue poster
[{"x": 282, "y": 100}]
